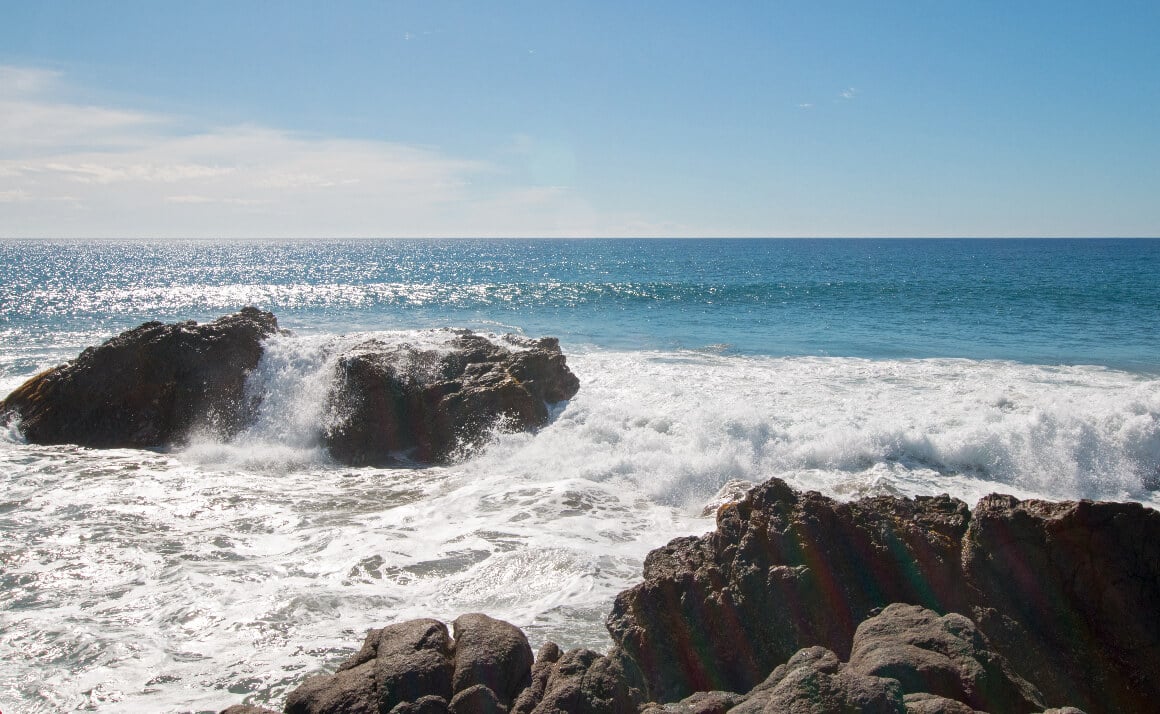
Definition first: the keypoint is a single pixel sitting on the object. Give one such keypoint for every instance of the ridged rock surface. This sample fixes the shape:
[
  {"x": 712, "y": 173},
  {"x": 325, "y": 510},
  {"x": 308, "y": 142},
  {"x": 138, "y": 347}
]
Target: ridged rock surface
[
  {"x": 148, "y": 387},
  {"x": 394, "y": 401}
]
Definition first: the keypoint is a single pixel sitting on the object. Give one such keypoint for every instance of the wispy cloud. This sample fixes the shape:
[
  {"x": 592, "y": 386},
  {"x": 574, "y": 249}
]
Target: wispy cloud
[
  {"x": 848, "y": 93},
  {"x": 806, "y": 105},
  {"x": 77, "y": 169}
]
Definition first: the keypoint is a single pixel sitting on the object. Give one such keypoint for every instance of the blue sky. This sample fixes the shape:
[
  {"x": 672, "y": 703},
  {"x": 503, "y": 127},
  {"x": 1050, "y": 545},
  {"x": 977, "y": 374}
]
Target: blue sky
[{"x": 272, "y": 119}]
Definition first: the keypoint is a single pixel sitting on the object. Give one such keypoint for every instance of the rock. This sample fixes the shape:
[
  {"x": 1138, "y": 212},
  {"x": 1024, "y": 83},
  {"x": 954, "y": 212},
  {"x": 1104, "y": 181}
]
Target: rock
[
  {"x": 415, "y": 667},
  {"x": 246, "y": 709},
  {"x": 946, "y": 656},
  {"x": 582, "y": 682},
  {"x": 148, "y": 387},
  {"x": 392, "y": 401},
  {"x": 715, "y": 702},
  {"x": 477, "y": 699},
  {"x": 491, "y": 653},
  {"x": 813, "y": 681},
  {"x": 1069, "y": 593},
  {"x": 783, "y": 571},
  {"x": 925, "y": 703}
]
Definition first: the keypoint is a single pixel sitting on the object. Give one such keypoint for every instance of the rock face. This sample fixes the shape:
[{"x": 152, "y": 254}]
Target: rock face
[
  {"x": 798, "y": 603},
  {"x": 148, "y": 387},
  {"x": 1065, "y": 597},
  {"x": 783, "y": 571},
  {"x": 155, "y": 384},
  {"x": 392, "y": 401}
]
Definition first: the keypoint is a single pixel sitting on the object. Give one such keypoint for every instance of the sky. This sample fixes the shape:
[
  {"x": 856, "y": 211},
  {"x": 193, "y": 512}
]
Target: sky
[{"x": 208, "y": 119}]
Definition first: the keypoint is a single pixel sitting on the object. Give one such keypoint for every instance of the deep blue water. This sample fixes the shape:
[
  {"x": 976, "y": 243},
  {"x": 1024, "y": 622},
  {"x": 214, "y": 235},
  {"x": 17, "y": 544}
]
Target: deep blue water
[{"x": 1037, "y": 301}]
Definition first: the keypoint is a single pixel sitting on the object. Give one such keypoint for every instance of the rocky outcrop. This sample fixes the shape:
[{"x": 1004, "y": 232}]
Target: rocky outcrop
[
  {"x": 156, "y": 384},
  {"x": 1066, "y": 597},
  {"x": 784, "y": 570},
  {"x": 148, "y": 387},
  {"x": 426, "y": 404},
  {"x": 880, "y": 605}
]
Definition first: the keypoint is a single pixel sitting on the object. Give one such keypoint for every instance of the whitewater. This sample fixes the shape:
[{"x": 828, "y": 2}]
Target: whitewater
[{"x": 213, "y": 573}]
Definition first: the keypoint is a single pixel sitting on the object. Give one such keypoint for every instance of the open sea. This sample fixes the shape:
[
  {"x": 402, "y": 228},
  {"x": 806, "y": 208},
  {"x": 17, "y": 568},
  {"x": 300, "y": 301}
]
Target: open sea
[{"x": 189, "y": 580}]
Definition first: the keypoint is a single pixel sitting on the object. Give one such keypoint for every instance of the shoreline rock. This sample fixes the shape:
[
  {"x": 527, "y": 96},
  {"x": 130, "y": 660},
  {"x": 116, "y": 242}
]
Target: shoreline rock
[
  {"x": 800, "y": 603},
  {"x": 155, "y": 385},
  {"x": 148, "y": 387}
]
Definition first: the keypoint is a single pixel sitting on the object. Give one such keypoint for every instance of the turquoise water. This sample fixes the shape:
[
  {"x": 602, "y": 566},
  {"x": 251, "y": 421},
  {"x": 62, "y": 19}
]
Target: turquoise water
[
  {"x": 1035, "y": 301},
  {"x": 197, "y": 577}
]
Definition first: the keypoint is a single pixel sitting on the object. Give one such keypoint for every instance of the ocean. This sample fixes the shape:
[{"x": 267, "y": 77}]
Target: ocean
[{"x": 192, "y": 579}]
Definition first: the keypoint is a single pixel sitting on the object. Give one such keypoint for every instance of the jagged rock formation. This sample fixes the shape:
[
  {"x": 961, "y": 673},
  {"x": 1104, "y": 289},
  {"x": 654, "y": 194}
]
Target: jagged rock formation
[
  {"x": 425, "y": 403},
  {"x": 1066, "y": 594},
  {"x": 148, "y": 387},
  {"x": 154, "y": 385},
  {"x": 798, "y": 603}
]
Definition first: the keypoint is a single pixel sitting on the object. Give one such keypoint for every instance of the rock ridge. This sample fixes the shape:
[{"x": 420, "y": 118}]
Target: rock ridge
[{"x": 799, "y": 603}]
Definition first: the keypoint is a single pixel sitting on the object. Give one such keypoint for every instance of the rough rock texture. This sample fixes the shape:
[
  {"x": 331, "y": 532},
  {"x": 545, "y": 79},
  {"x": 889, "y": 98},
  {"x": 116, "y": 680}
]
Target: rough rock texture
[
  {"x": 783, "y": 571},
  {"x": 416, "y": 667},
  {"x": 946, "y": 656},
  {"x": 1069, "y": 592},
  {"x": 392, "y": 401},
  {"x": 813, "y": 681},
  {"x": 1066, "y": 594},
  {"x": 581, "y": 682},
  {"x": 247, "y": 709},
  {"x": 715, "y": 702},
  {"x": 148, "y": 387}
]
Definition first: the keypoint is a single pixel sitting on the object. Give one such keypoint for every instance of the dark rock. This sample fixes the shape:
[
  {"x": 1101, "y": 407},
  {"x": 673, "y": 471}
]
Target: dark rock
[
  {"x": 246, "y": 709},
  {"x": 429, "y": 704},
  {"x": 492, "y": 653},
  {"x": 1069, "y": 593},
  {"x": 392, "y": 401},
  {"x": 783, "y": 571},
  {"x": 926, "y": 703},
  {"x": 715, "y": 702},
  {"x": 813, "y": 681},
  {"x": 351, "y": 691},
  {"x": 946, "y": 656},
  {"x": 582, "y": 682},
  {"x": 398, "y": 664},
  {"x": 148, "y": 387},
  {"x": 541, "y": 672},
  {"x": 477, "y": 699}
]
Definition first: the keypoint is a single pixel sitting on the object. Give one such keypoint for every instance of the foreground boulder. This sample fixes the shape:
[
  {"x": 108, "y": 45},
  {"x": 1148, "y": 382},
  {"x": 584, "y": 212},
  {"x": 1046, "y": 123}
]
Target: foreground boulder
[
  {"x": 1066, "y": 597},
  {"x": 798, "y": 603},
  {"x": 425, "y": 404},
  {"x": 148, "y": 387}
]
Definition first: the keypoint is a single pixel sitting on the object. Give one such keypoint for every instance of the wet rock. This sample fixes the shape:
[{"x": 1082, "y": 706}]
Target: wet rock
[
  {"x": 148, "y": 387},
  {"x": 946, "y": 656},
  {"x": 813, "y": 681},
  {"x": 583, "y": 682},
  {"x": 493, "y": 654},
  {"x": 415, "y": 667},
  {"x": 783, "y": 570},
  {"x": 425, "y": 404},
  {"x": 1069, "y": 593}
]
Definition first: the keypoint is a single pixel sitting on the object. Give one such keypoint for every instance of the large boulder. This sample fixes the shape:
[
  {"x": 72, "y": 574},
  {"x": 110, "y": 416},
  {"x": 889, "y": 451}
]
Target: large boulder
[
  {"x": 813, "y": 681},
  {"x": 416, "y": 666},
  {"x": 783, "y": 571},
  {"x": 148, "y": 387},
  {"x": 940, "y": 655},
  {"x": 428, "y": 403},
  {"x": 1064, "y": 598},
  {"x": 1069, "y": 592}
]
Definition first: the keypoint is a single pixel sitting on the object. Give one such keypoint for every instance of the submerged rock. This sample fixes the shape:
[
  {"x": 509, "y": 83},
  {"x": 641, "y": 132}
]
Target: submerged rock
[
  {"x": 425, "y": 404},
  {"x": 148, "y": 387}
]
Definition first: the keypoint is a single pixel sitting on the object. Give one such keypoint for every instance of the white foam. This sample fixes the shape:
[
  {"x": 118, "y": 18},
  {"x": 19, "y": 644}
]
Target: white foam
[{"x": 142, "y": 581}]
